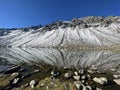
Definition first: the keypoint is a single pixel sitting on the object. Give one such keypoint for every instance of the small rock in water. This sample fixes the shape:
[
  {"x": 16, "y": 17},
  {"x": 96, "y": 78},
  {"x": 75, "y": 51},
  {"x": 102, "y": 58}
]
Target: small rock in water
[
  {"x": 32, "y": 83},
  {"x": 101, "y": 72},
  {"x": 83, "y": 77},
  {"x": 88, "y": 77},
  {"x": 94, "y": 68},
  {"x": 52, "y": 78},
  {"x": 15, "y": 74},
  {"x": 104, "y": 79},
  {"x": 90, "y": 71},
  {"x": 101, "y": 80},
  {"x": 26, "y": 85},
  {"x": 15, "y": 81},
  {"x": 117, "y": 81},
  {"x": 79, "y": 85},
  {"x": 116, "y": 76},
  {"x": 65, "y": 67},
  {"x": 76, "y": 77},
  {"x": 68, "y": 75},
  {"x": 35, "y": 71},
  {"x": 76, "y": 73},
  {"x": 88, "y": 88},
  {"x": 113, "y": 69},
  {"x": 81, "y": 71},
  {"x": 55, "y": 73}
]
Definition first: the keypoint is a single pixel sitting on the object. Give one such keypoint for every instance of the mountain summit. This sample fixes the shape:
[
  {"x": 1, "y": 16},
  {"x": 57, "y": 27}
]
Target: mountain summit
[{"x": 88, "y": 31}]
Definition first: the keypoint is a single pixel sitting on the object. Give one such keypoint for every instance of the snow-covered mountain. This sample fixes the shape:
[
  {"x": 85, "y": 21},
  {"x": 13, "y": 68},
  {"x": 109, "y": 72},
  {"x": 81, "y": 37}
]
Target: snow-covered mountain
[{"x": 88, "y": 31}]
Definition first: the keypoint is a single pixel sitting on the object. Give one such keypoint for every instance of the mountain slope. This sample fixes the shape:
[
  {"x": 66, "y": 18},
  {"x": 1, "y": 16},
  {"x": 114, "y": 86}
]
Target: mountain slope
[{"x": 88, "y": 31}]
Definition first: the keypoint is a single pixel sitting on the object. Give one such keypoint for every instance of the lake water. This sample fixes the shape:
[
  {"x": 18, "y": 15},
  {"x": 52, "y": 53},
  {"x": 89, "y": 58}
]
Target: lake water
[
  {"x": 59, "y": 57},
  {"x": 46, "y": 60}
]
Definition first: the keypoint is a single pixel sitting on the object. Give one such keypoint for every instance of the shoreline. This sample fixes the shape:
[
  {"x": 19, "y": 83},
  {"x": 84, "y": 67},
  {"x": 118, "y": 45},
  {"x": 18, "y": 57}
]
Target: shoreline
[{"x": 48, "y": 77}]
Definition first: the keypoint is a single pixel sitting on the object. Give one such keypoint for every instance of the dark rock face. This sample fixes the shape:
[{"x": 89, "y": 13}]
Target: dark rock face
[
  {"x": 4, "y": 32},
  {"x": 84, "y": 22}
]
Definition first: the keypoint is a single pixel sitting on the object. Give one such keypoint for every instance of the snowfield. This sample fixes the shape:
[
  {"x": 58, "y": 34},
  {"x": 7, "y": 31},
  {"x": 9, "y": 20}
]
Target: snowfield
[{"x": 93, "y": 36}]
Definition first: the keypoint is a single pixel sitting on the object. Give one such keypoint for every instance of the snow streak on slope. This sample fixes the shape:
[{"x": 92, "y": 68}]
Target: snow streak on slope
[
  {"x": 61, "y": 58},
  {"x": 93, "y": 36}
]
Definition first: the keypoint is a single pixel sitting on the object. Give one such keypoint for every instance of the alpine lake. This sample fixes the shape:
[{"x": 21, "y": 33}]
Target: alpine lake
[{"x": 59, "y": 69}]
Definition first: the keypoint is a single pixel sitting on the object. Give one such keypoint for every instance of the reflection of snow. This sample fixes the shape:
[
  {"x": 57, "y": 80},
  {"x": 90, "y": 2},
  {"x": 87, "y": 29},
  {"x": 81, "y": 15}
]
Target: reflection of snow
[{"x": 60, "y": 57}]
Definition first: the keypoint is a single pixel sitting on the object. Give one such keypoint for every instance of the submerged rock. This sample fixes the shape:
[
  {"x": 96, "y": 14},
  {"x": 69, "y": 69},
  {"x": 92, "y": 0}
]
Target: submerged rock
[
  {"x": 116, "y": 76},
  {"x": 83, "y": 77},
  {"x": 55, "y": 73},
  {"x": 94, "y": 68},
  {"x": 113, "y": 69},
  {"x": 104, "y": 79},
  {"x": 91, "y": 71},
  {"x": 36, "y": 71},
  {"x": 101, "y": 80},
  {"x": 81, "y": 71},
  {"x": 79, "y": 85},
  {"x": 76, "y": 73},
  {"x": 32, "y": 83},
  {"x": 68, "y": 75},
  {"x": 15, "y": 74},
  {"x": 16, "y": 80},
  {"x": 117, "y": 81},
  {"x": 88, "y": 88},
  {"x": 76, "y": 77}
]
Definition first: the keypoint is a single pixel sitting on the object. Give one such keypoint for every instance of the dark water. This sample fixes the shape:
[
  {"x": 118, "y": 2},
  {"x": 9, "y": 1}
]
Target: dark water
[
  {"x": 33, "y": 58},
  {"x": 59, "y": 58}
]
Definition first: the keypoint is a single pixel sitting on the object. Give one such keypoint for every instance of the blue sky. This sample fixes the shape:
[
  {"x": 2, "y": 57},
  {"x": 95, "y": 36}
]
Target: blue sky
[{"x": 23, "y": 13}]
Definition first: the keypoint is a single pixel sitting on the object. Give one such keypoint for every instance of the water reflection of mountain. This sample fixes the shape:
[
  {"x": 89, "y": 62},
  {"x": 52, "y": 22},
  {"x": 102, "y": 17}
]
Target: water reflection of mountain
[{"x": 60, "y": 57}]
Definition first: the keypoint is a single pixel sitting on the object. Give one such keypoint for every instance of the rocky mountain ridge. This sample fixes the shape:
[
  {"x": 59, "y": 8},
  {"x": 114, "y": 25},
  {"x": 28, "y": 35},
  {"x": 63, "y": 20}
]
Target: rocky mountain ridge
[{"x": 87, "y": 31}]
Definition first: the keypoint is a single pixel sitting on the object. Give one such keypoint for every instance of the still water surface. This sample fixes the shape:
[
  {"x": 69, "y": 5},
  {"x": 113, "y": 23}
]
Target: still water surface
[{"x": 59, "y": 58}]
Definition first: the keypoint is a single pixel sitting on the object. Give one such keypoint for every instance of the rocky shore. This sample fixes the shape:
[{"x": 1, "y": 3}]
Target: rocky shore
[{"x": 47, "y": 77}]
